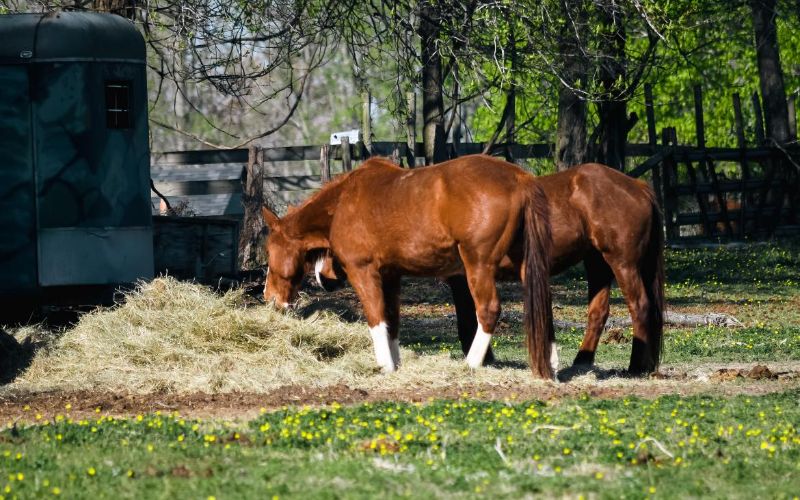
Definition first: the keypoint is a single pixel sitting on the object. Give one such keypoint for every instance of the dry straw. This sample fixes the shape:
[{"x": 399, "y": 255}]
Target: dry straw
[{"x": 174, "y": 336}]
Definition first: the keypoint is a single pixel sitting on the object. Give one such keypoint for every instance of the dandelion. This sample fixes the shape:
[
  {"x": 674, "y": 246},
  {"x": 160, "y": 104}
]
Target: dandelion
[{"x": 91, "y": 471}]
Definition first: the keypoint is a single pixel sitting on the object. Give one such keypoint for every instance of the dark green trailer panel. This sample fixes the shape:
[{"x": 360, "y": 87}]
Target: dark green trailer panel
[{"x": 74, "y": 156}]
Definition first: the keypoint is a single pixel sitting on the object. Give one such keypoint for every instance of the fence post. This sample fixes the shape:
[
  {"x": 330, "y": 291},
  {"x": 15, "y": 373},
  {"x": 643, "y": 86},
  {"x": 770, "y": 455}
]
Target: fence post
[
  {"x": 325, "y": 163},
  {"x": 668, "y": 139},
  {"x": 457, "y": 130},
  {"x": 411, "y": 129},
  {"x": 346, "y": 162},
  {"x": 651, "y": 117},
  {"x": 366, "y": 121},
  {"x": 707, "y": 166},
  {"x": 760, "y": 138},
  {"x": 746, "y": 198},
  {"x": 251, "y": 248}
]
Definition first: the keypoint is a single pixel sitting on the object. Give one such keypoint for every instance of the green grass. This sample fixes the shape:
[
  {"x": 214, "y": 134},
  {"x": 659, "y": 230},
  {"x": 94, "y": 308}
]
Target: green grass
[{"x": 710, "y": 447}]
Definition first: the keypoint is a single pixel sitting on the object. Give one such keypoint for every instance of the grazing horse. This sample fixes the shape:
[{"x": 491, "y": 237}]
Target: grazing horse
[
  {"x": 454, "y": 218},
  {"x": 612, "y": 224}
]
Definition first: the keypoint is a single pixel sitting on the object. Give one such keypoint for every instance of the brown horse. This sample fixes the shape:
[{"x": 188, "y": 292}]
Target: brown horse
[
  {"x": 455, "y": 218},
  {"x": 612, "y": 224}
]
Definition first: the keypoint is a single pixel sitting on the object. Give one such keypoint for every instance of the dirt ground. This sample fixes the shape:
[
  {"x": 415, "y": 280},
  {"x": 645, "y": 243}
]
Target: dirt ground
[{"x": 721, "y": 381}]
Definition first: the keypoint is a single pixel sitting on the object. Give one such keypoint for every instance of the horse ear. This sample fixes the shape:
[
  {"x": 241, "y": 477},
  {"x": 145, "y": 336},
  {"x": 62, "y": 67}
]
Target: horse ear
[{"x": 270, "y": 219}]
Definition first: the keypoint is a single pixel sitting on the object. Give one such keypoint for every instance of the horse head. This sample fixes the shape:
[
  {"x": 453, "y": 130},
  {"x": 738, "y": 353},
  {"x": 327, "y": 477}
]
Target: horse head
[{"x": 290, "y": 254}]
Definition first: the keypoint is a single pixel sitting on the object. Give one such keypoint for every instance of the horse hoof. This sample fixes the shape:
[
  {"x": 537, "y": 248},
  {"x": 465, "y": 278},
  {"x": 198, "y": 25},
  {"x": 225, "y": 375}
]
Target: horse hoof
[{"x": 584, "y": 358}]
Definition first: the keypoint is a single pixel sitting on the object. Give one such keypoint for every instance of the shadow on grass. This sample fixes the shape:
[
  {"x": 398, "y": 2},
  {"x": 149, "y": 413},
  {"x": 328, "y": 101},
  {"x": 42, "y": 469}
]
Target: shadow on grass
[
  {"x": 342, "y": 310},
  {"x": 574, "y": 371},
  {"x": 15, "y": 357}
]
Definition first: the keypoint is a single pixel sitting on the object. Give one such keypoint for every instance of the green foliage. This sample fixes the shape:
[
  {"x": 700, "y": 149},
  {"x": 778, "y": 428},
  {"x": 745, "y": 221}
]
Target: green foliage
[{"x": 706, "y": 43}]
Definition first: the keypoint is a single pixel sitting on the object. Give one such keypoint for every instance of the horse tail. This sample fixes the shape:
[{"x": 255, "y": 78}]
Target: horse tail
[
  {"x": 652, "y": 269},
  {"x": 538, "y": 320}
]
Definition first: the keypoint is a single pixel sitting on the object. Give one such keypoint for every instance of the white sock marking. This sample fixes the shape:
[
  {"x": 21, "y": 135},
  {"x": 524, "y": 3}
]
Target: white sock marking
[
  {"x": 394, "y": 347},
  {"x": 380, "y": 342},
  {"x": 554, "y": 358},
  {"x": 318, "y": 268},
  {"x": 479, "y": 347}
]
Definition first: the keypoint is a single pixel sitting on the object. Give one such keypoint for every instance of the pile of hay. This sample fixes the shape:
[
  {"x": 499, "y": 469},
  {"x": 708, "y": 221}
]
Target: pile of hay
[{"x": 181, "y": 337}]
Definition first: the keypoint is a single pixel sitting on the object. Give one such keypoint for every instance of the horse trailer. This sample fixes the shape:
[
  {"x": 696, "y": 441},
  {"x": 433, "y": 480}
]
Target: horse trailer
[{"x": 74, "y": 155}]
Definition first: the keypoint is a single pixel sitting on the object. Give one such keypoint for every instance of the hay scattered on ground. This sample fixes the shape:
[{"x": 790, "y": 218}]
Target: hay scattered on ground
[
  {"x": 177, "y": 337},
  {"x": 174, "y": 336}
]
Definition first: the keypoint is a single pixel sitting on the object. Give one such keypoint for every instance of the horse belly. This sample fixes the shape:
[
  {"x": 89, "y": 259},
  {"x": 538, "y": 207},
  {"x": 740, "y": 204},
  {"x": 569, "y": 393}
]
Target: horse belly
[
  {"x": 570, "y": 242},
  {"x": 427, "y": 260}
]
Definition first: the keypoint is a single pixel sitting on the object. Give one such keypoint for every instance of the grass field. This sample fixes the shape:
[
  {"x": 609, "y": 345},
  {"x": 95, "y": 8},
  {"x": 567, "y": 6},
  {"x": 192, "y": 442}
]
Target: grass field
[{"x": 710, "y": 426}]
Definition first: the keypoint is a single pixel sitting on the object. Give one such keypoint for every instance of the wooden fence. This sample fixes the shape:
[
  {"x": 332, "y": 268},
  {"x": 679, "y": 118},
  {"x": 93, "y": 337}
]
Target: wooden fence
[{"x": 741, "y": 192}]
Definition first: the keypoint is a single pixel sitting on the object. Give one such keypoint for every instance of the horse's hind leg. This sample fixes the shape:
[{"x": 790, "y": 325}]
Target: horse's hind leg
[
  {"x": 368, "y": 284},
  {"x": 481, "y": 280},
  {"x": 630, "y": 281},
  {"x": 599, "y": 277},
  {"x": 466, "y": 316}
]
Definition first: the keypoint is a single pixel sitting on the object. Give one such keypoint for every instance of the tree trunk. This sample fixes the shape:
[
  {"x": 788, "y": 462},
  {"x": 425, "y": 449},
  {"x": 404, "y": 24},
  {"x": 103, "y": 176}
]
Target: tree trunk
[
  {"x": 571, "y": 130},
  {"x": 251, "y": 237},
  {"x": 773, "y": 92},
  {"x": 432, "y": 100},
  {"x": 612, "y": 107}
]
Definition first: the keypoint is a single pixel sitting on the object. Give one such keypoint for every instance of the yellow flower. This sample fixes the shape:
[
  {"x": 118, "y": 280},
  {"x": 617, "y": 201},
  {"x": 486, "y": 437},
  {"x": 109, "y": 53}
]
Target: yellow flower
[
  {"x": 56, "y": 490},
  {"x": 91, "y": 471},
  {"x": 652, "y": 489}
]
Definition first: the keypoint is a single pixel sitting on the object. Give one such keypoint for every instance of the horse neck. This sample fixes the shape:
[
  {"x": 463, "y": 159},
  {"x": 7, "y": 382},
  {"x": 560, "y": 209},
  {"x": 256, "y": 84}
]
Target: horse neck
[{"x": 313, "y": 218}]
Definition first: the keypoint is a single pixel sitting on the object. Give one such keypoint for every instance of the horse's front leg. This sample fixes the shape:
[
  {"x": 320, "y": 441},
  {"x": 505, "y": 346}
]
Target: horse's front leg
[
  {"x": 369, "y": 286},
  {"x": 599, "y": 277},
  {"x": 391, "y": 299},
  {"x": 466, "y": 317}
]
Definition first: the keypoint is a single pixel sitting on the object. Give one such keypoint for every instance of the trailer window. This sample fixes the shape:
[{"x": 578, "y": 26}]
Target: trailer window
[{"x": 118, "y": 104}]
